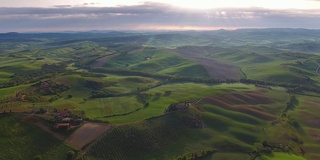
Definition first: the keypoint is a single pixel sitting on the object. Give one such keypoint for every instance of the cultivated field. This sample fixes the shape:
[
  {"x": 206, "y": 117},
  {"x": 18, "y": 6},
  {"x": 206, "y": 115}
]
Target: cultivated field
[
  {"x": 86, "y": 134},
  {"x": 22, "y": 140}
]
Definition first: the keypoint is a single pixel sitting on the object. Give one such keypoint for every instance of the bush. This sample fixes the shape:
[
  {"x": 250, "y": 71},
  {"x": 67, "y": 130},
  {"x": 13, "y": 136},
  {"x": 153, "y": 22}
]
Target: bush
[
  {"x": 70, "y": 154},
  {"x": 38, "y": 157}
]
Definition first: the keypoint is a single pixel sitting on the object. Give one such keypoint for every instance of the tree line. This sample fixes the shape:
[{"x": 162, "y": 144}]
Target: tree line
[{"x": 46, "y": 71}]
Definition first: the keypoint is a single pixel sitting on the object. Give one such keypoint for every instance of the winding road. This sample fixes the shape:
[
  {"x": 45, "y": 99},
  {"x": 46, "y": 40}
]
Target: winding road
[{"x": 318, "y": 68}]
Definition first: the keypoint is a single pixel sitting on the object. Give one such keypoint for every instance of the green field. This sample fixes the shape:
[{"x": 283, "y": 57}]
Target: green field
[
  {"x": 237, "y": 129},
  {"x": 180, "y": 92},
  {"x": 282, "y": 156},
  {"x": 306, "y": 114},
  {"x": 154, "y": 61}
]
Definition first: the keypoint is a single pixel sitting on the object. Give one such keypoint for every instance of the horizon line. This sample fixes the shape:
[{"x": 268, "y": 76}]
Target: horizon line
[{"x": 157, "y": 30}]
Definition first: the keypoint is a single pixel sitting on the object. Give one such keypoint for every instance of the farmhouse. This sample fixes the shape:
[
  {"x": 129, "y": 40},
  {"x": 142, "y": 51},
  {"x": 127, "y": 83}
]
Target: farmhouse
[
  {"x": 65, "y": 120},
  {"x": 62, "y": 125}
]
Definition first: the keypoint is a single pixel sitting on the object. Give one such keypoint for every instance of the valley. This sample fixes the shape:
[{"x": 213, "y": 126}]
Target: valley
[{"x": 247, "y": 94}]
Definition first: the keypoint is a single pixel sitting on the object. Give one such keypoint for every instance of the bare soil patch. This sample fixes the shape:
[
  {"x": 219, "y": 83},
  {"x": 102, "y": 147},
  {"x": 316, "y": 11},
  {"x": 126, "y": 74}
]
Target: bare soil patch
[
  {"x": 246, "y": 102},
  {"x": 86, "y": 134},
  {"x": 256, "y": 112},
  {"x": 250, "y": 98},
  {"x": 309, "y": 119},
  {"x": 215, "y": 68},
  {"x": 314, "y": 134}
]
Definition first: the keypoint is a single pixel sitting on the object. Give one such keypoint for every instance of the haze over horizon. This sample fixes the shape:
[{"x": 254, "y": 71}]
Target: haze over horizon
[{"x": 84, "y": 15}]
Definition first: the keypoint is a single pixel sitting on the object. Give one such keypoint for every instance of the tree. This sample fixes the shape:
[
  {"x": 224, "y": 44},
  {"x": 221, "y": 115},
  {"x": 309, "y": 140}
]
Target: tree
[
  {"x": 157, "y": 94},
  {"x": 167, "y": 93},
  {"x": 258, "y": 147},
  {"x": 69, "y": 96},
  {"x": 146, "y": 104}
]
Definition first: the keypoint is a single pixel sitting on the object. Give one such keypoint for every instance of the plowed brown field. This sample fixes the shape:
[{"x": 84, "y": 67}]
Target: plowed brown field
[
  {"x": 248, "y": 102},
  {"x": 86, "y": 134}
]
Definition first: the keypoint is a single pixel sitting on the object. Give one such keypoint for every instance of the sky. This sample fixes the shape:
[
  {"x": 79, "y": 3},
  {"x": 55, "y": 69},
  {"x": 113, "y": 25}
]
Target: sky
[{"x": 86, "y": 15}]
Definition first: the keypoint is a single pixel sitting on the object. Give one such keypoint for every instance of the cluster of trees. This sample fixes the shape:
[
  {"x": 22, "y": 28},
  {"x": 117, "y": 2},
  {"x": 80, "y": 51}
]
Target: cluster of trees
[
  {"x": 46, "y": 71},
  {"x": 41, "y": 110},
  {"x": 94, "y": 85},
  {"x": 301, "y": 89},
  {"x": 77, "y": 113},
  {"x": 98, "y": 90},
  {"x": 197, "y": 155},
  {"x": 156, "y": 96},
  {"x": 143, "y": 98},
  {"x": 266, "y": 147},
  {"x": 104, "y": 93},
  {"x": 194, "y": 121},
  {"x": 167, "y": 93},
  {"x": 262, "y": 86},
  {"x": 34, "y": 98},
  {"x": 53, "y": 68},
  {"x": 176, "y": 107},
  {"x": 50, "y": 88},
  {"x": 123, "y": 114},
  {"x": 54, "y": 98},
  {"x": 290, "y": 105},
  {"x": 88, "y": 74}
]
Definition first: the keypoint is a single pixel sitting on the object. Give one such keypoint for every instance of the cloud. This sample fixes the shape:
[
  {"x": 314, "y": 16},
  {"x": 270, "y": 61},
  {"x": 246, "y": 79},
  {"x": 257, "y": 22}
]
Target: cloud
[
  {"x": 62, "y": 6},
  {"x": 149, "y": 16}
]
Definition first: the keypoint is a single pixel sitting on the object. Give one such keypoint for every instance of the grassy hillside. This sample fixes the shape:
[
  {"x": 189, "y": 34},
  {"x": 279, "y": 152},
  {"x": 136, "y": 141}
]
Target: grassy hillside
[
  {"x": 157, "y": 61},
  {"x": 230, "y": 122},
  {"x": 306, "y": 114},
  {"x": 271, "y": 65},
  {"x": 20, "y": 140},
  {"x": 282, "y": 156},
  {"x": 177, "y": 92}
]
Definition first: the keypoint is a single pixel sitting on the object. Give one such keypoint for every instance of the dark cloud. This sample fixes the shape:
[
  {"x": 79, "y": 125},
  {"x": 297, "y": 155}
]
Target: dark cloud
[{"x": 150, "y": 16}]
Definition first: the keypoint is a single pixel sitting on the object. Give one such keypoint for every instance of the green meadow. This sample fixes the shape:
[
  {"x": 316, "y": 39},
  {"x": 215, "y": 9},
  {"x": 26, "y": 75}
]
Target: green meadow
[
  {"x": 179, "y": 92},
  {"x": 306, "y": 114},
  {"x": 282, "y": 156},
  {"x": 155, "y": 61}
]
